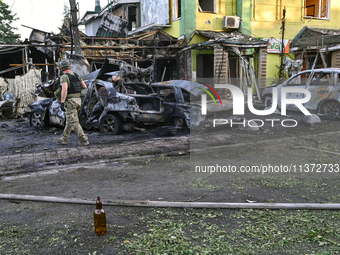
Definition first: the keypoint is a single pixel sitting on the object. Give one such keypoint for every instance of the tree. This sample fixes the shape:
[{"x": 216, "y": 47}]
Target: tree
[
  {"x": 65, "y": 28},
  {"x": 6, "y": 30}
]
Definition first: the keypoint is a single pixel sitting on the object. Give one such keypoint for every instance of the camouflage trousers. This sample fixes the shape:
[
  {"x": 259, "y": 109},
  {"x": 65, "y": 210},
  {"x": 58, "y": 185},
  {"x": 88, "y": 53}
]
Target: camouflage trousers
[{"x": 72, "y": 106}]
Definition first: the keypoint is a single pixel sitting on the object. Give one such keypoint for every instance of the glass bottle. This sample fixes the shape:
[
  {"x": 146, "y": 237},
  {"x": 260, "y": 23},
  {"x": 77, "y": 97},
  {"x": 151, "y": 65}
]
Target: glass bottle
[{"x": 99, "y": 219}]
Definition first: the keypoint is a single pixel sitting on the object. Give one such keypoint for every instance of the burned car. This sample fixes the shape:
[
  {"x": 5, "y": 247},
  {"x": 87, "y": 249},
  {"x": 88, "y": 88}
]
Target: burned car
[
  {"x": 46, "y": 109},
  {"x": 100, "y": 96},
  {"x": 169, "y": 102},
  {"x": 116, "y": 106},
  {"x": 135, "y": 100},
  {"x": 324, "y": 86}
]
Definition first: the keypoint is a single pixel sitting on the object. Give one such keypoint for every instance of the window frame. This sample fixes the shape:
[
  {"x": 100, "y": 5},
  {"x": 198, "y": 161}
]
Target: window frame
[
  {"x": 214, "y": 7},
  {"x": 327, "y": 15},
  {"x": 177, "y": 11}
]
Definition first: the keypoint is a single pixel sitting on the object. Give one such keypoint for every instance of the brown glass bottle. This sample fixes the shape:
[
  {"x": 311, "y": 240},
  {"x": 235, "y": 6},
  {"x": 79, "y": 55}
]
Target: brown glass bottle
[{"x": 99, "y": 219}]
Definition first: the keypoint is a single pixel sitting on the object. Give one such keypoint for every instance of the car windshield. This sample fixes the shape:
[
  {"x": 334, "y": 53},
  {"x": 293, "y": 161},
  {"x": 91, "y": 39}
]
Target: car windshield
[{"x": 299, "y": 80}]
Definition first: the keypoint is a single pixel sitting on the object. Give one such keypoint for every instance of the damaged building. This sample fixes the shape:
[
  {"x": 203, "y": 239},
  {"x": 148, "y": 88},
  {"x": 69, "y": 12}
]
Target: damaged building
[
  {"x": 317, "y": 47},
  {"x": 181, "y": 40}
]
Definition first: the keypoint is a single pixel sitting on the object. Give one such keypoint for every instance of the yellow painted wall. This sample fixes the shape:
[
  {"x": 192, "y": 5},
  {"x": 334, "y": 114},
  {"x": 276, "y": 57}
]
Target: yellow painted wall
[
  {"x": 266, "y": 22},
  {"x": 174, "y": 30},
  {"x": 209, "y": 21},
  {"x": 214, "y": 21},
  {"x": 274, "y": 60},
  {"x": 198, "y": 39}
]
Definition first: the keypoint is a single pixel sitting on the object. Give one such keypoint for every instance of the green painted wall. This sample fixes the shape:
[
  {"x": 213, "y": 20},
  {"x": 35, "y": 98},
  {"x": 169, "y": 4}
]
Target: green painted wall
[
  {"x": 244, "y": 8},
  {"x": 188, "y": 17}
]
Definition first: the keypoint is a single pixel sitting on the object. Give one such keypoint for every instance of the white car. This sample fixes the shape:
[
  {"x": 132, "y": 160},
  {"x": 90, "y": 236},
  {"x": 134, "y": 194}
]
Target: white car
[{"x": 324, "y": 86}]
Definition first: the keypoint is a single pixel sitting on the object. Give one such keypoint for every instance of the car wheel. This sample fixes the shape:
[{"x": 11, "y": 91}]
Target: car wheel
[
  {"x": 268, "y": 101},
  {"x": 110, "y": 124},
  {"x": 36, "y": 119},
  {"x": 179, "y": 122},
  {"x": 330, "y": 109}
]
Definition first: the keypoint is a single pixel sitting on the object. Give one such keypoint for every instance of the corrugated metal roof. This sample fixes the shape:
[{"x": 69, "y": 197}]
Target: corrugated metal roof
[
  {"x": 309, "y": 36},
  {"x": 231, "y": 37},
  {"x": 112, "y": 26}
]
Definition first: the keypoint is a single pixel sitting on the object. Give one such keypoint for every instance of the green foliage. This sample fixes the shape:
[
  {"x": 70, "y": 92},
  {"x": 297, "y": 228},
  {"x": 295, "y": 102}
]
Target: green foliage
[
  {"x": 64, "y": 30},
  {"x": 242, "y": 232},
  {"x": 6, "y": 19}
]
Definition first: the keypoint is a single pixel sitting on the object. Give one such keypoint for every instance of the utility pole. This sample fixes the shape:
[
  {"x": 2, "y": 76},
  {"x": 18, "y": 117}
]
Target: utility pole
[
  {"x": 282, "y": 55},
  {"x": 74, "y": 27}
]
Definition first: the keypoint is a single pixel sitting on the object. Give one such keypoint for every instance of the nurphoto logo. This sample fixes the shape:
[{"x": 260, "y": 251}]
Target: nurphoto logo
[{"x": 238, "y": 104}]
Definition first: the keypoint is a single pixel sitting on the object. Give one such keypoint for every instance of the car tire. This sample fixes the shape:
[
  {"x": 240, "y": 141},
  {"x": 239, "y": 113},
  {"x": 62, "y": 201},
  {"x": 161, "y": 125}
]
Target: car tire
[
  {"x": 330, "y": 109},
  {"x": 268, "y": 101},
  {"x": 36, "y": 119},
  {"x": 179, "y": 122},
  {"x": 110, "y": 124}
]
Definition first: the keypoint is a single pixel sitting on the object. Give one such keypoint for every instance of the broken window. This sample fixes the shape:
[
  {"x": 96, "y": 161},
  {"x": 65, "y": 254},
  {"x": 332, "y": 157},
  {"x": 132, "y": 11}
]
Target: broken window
[
  {"x": 321, "y": 79},
  {"x": 166, "y": 69},
  {"x": 168, "y": 94},
  {"x": 132, "y": 23},
  {"x": 317, "y": 9},
  {"x": 207, "y": 5},
  {"x": 177, "y": 9},
  {"x": 205, "y": 66},
  {"x": 186, "y": 96}
]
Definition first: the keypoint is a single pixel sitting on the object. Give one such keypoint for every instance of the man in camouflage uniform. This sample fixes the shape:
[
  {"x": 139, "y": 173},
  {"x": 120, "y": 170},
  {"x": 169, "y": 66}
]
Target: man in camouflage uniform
[{"x": 69, "y": 96}]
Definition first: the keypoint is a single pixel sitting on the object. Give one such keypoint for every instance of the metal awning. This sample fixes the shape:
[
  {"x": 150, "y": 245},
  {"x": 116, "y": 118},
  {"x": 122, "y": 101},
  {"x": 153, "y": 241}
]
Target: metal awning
[
  {"x": 231, "y": 39},
  {"x": 315, "y": 38}
]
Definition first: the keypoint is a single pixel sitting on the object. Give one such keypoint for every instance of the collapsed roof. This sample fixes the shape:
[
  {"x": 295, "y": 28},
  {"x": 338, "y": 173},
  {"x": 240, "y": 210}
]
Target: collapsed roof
[{"x": 310, "y": 37}]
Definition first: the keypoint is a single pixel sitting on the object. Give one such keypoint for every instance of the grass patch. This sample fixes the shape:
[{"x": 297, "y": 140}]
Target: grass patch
[
  {"x": 240, "y": 232},
  {"x": 204, "y": 184}
]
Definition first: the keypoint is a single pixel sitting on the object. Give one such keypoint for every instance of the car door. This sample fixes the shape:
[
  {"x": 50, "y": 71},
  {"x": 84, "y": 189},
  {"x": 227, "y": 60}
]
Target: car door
[
  {"x": 169, "y": 100},
  {"x": 320, "y": 86},
  {"x": 298, "y": 81},
  {"x": 336, "y": 87},
  {"x": 182, "y": 108}
]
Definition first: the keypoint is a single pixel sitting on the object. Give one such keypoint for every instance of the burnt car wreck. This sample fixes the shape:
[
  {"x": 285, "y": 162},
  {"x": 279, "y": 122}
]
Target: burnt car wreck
[
  {"x": 134, "y": 100},
  {"x": 113, "y": 107},
  {"x": 45, "y": 110},
  {"x": 323, "y": 84}
]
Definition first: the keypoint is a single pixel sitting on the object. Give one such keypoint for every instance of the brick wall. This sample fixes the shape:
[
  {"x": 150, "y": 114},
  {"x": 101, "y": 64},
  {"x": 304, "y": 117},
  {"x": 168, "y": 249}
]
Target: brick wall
[
  {"x": 336, "y": 59},
  {"x": 220, "y": 65},
  {"x": 262, "y": 68}
]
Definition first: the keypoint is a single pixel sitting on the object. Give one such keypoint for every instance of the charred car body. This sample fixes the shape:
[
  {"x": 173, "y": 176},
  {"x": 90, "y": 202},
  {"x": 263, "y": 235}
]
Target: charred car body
[
  {"x": 135, "y": 100},
  {"x": 324, "y": 86},
  {"x": 116, "y": 106},
  {"x": 45, "y": 110}
]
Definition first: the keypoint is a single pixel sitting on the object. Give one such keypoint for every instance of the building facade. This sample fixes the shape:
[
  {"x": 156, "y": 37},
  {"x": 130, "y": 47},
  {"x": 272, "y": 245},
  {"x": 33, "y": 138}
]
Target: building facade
[
  {"x": 217, "y": 49},
  {"x": 309, "y": 26}
]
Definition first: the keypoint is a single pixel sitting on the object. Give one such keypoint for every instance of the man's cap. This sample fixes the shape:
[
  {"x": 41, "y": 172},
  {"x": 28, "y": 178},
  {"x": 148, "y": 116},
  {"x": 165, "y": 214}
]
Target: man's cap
[{"x": 64, "y": 63}]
